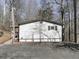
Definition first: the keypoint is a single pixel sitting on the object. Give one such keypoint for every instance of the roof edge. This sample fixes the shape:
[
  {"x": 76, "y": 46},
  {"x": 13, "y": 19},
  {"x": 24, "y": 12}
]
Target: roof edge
[{"x": 32, "y": 21}]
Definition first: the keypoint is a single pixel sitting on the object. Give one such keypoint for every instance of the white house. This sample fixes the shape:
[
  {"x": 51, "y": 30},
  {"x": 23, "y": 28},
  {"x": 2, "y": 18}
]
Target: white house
[{"x": 44, "y": 31}]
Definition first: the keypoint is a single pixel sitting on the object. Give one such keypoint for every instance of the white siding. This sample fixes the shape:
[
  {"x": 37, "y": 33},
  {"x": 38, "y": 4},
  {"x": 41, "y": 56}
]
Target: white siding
[{"x": 31, "y": 31}]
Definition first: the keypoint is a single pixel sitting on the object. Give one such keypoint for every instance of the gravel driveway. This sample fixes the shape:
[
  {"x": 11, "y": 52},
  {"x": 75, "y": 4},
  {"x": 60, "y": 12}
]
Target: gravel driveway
[{"x": 25, "y": 51}]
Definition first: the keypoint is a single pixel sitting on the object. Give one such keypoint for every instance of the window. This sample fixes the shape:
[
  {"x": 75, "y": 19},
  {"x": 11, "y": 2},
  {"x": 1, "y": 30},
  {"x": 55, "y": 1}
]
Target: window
[
  {"x": 49, "y": 28},
  {"x": 55, "y": 27},
  {"x": 52, "y": 27}
]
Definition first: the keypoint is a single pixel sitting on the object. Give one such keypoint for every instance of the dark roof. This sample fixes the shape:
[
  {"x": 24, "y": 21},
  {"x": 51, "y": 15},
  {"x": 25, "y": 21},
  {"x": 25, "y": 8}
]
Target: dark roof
[{"x": 32, "y": 21}]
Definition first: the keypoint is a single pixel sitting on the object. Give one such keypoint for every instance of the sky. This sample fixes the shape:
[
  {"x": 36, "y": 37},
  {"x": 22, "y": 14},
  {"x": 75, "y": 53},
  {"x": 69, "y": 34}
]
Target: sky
[{"x": 1, "y": 2}]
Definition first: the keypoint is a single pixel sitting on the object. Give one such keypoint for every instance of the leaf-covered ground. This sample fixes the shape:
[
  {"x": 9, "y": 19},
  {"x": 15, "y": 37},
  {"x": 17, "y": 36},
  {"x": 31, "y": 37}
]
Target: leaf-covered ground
[{"x": 5, "y": 37}]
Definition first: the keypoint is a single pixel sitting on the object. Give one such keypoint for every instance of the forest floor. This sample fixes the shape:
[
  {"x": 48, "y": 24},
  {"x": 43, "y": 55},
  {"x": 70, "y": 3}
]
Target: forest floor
[{"x": 5, "y": 37}]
